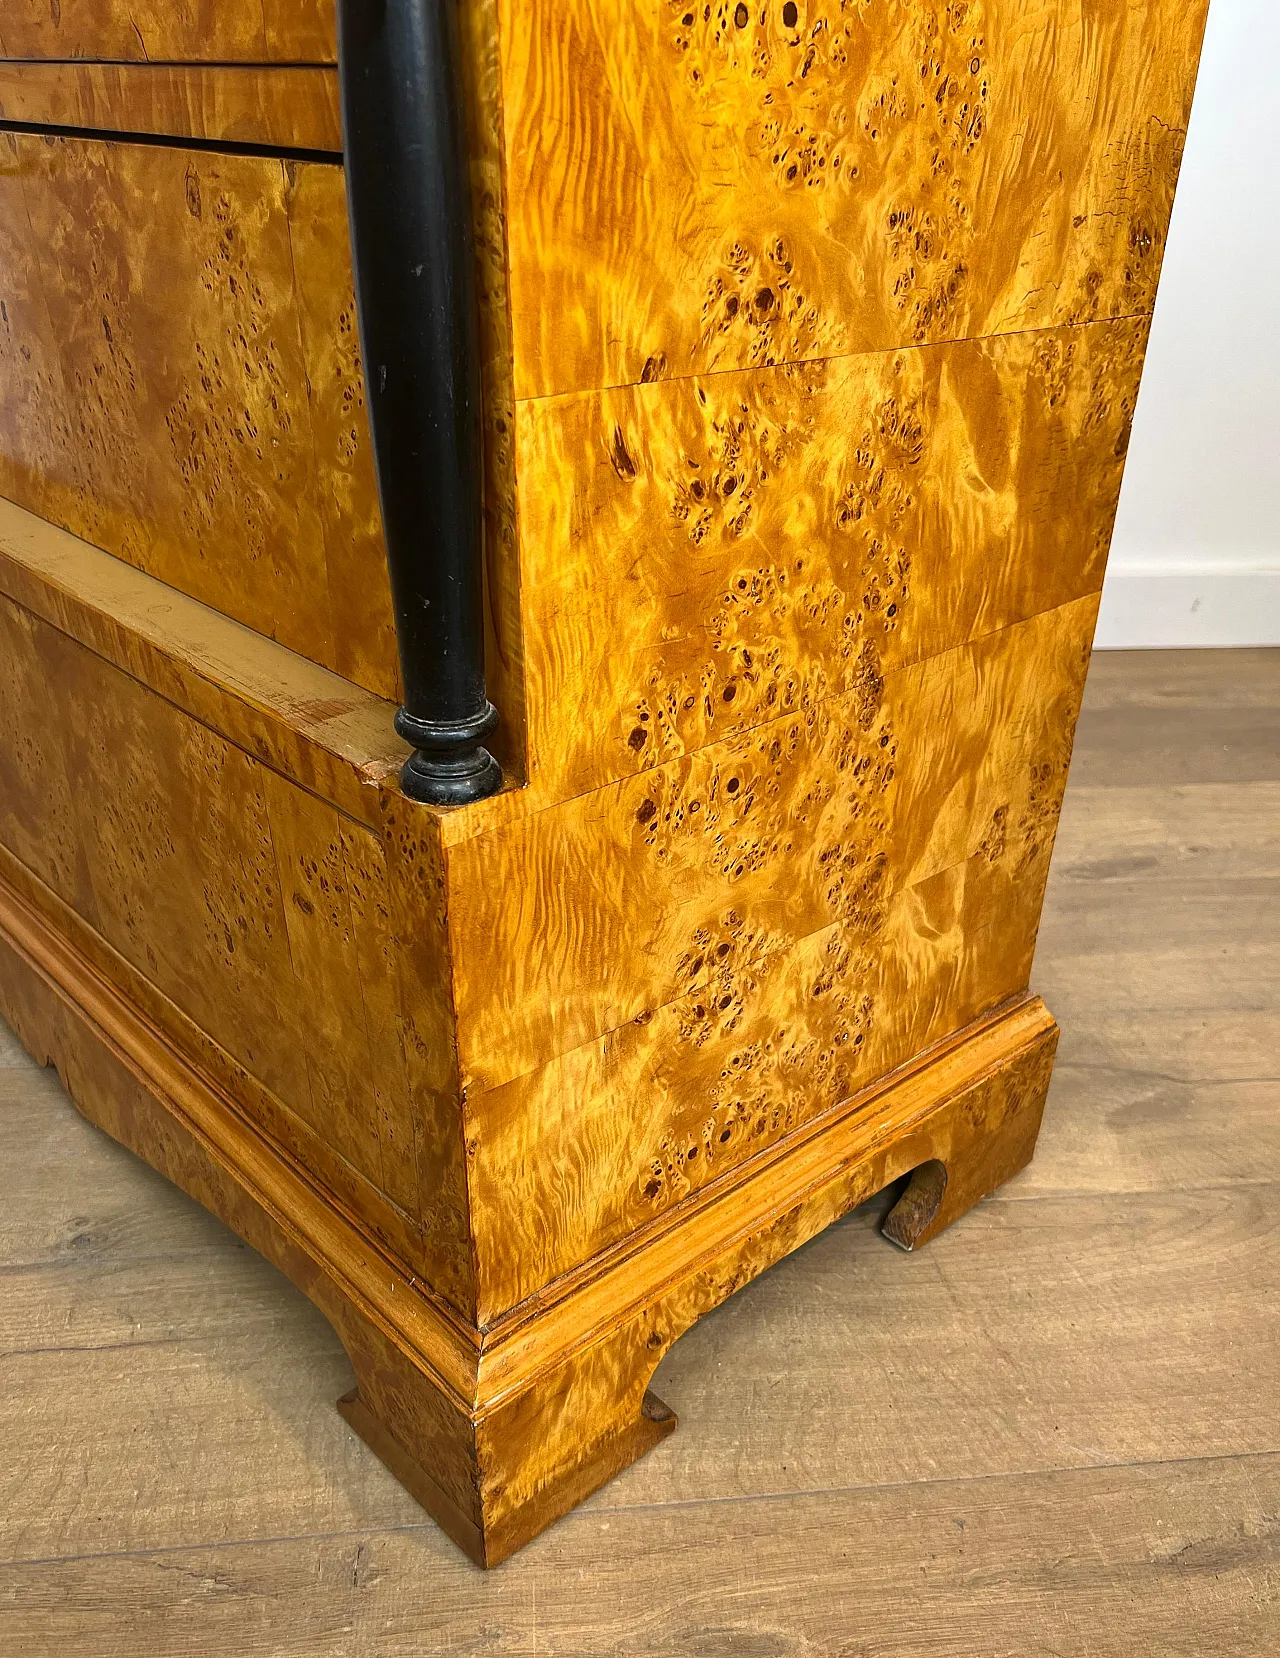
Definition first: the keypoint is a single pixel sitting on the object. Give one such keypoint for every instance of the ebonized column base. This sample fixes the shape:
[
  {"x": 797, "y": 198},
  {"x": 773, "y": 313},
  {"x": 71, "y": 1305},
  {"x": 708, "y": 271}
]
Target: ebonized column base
[{"x": 449, "y": 766}]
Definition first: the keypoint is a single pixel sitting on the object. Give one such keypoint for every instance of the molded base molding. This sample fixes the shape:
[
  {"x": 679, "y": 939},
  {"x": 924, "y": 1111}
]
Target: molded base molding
[{"x": 497, "y": 1432}]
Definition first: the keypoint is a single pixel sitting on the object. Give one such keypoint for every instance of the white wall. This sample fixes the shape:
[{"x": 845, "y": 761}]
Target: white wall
[{"x": 1196, "y": 555}]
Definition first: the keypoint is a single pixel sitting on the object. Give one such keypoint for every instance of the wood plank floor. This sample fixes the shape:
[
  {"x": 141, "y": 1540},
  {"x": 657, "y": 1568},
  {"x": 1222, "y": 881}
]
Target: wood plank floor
[{"x": 1055, "y": 1431}]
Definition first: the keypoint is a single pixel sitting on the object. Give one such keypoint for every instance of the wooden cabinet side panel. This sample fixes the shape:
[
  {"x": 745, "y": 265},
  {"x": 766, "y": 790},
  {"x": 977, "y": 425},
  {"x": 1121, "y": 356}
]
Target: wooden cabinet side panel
[
  {"x": 725, "y": 186},
  {"x": 706, "y": 554},
  {"x": 752, "y": 937},
  {"x": 591, "y": 914}
]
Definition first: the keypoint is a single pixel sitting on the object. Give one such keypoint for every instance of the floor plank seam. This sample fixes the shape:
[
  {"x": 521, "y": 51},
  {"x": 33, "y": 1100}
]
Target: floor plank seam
[
  {"x": 1061, "y": 1472},
  {"x": 1247, "y": 1183},
  {"x": 585, "y": 1514},
  {"x": 89, "y": 1260},
  {"x": 1138, "y": 1074},
  {"x": 142, "y": 1345}
]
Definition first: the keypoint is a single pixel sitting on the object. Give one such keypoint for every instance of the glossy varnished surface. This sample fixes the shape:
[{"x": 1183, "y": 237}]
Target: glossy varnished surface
[
  {"x": 294, "y": 108},
  {"x": 250, "y": 916},
  {"x": 180, "y": 377},
  {"x": 769, "y": 926},
  {"x": 1064, "y": 1406},
  {"x": 179, "y": 382},
  {"x": 137, "y": 31},
  {"x": 720, "y": 186},
  {"x": 811, "y": 343},
  {"x": 712, "y": 863},
  {"x": 711, "y": 554},
  {"x": 499, "y": 1431},
  {"x": 783, "y": 241},
  {"x": 204, "y": 817}
]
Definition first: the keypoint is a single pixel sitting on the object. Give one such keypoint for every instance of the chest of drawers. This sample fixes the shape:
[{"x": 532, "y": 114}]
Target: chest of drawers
[{"x": 750, "y": 386}]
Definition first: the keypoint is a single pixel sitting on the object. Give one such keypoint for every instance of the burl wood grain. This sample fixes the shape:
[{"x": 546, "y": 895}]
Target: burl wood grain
[
  {"x": 723, "y": 185},
  {"x": 980, "y": 1126},
  {"x": 202, "y": 31},
  {"x": 765, "y": 927},
  {"x": 178, "y": 340},
  {"x": 254, "y": 910},
  {"x": 684, "y": 875},
  {"x": 498, "y": 1433},
  {"x": 287, "y": 107},
  {"x": 712, "y": 553},
  {"x": 811, "y": 334},
  {"x": 756, "y": 547},
  {"x": 321, "y": 731},
  {"x": 503, "y": 563},
  {"x": 186, "y": 390}
]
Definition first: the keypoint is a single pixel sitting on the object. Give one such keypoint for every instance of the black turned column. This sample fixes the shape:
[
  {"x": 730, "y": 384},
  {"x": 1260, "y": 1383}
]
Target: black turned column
[{"x": 409, "y": 204}]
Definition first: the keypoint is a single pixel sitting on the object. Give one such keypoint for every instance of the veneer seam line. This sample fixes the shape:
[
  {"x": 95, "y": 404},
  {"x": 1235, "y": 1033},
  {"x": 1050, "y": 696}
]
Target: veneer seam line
[
  {"x": 835, "y": 357},
  {"x": 741, "y": 733},
  {"x": 454, "y": 841}
]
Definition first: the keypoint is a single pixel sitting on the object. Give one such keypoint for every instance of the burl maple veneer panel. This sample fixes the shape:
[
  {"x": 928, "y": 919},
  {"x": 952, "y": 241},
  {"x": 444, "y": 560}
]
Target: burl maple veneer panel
[
  {"x": 289, "y": 979},
  {"x": 256, "y": 910},
  {"x": 275, "y": 107},
  {"x": 710, "y": 553},
  {"x": 180, "y": 377},
  {"x": 724, "y": 185},
  {"x": 179, "y": 382},
  {"x": 170, "y": 31},
  {"x": 733, "y": 942},
  {"x": 754, "y": 933},
  {"x": 810, "y": 335}
]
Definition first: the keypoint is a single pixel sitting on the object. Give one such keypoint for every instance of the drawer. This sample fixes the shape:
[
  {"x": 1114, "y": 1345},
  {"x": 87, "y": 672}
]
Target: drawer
[
  {"x": 180, "y": 385},
  {"x": 284, "y": 108},
  {"x": 169, "y": 31}
]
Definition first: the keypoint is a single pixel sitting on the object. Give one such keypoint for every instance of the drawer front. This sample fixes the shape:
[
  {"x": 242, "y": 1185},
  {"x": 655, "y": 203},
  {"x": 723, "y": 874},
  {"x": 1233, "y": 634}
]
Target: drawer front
[
  {"x": 170, "y": 31},
  {"x": 270, "y": 108},
  {"x": 179, "y": 382}
]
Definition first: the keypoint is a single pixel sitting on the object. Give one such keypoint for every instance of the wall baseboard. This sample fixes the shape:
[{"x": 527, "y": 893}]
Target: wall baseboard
[{"x": 1149, "y": 608}]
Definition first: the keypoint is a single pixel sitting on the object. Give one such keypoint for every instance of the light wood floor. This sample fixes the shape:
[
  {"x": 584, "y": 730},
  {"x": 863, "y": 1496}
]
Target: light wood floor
[{"x": 1055, "y": 1431}]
